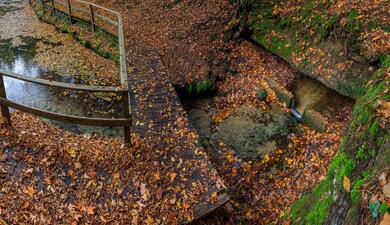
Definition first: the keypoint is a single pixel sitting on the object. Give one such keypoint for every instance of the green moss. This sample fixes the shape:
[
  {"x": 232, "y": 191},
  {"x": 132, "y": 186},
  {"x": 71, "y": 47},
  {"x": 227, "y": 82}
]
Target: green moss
[
  {"x": 342, "y": 166},
  {"x": 384, "y": 208},
  {"x": 197, "y": 88},
  {"x": 355, "y": 194},
  {"x": 171, "y": 4},
  {"x": 303, "y": 212},
  {"x": 374, "y": 128},
  {"x": 361, "y": 154},
  {"x": 312, "y": 208},
  {"x": 306, "y": 10},
  {"x": 262, "y": 94}
]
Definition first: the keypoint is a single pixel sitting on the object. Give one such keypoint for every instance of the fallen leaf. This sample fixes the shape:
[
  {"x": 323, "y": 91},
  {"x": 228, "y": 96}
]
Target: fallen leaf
[
  {"x": 172, "y": 176},
  {"x": 386, "y": 219},
  {"x": 144, "y": 192},
  {"x": 386, "y": 190},
  {"x": 347, "y": 184},
  {"x": 31, "y": 190},
  {"x": 91, "y": 210}
]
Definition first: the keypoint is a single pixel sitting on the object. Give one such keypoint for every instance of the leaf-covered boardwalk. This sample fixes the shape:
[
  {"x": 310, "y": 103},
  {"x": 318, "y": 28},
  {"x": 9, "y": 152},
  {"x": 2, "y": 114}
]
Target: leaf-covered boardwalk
[{"x": 159, "y": 116}]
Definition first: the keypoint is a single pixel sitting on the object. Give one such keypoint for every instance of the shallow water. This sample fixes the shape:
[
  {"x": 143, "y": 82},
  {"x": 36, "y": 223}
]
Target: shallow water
[
  {"x": 19, "y": 60},
  {"x": 253, "y": 132}
]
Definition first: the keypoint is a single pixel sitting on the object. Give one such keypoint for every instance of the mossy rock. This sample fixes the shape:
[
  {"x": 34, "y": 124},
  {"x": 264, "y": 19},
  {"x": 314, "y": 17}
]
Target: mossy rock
[
  {"x": 314, "y": 120},
  {"x": 284, "y": 96}
]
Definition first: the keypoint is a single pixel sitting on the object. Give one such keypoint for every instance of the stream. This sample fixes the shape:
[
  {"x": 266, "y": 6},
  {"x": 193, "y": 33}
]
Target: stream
[
  {"x": 19, "y": 58},
  {"x": 250, "y": 132}
]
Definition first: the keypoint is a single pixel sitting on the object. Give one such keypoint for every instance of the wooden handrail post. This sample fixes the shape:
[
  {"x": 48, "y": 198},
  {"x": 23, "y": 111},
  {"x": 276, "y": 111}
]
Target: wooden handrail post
[
  {"x": 126, "y": 114},
  {"x": 92, "y": 18},
  {"x": 70, "y": 12},
  {"x": 4, "y": 109}
]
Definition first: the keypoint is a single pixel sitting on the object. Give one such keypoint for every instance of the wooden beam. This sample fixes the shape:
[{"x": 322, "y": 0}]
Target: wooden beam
[
  {"x": 78, "y": 87},
  {"x": 4, "y": 109},
  {"x": 120, "y": 122},
  {"x": 126, "y": 114}
]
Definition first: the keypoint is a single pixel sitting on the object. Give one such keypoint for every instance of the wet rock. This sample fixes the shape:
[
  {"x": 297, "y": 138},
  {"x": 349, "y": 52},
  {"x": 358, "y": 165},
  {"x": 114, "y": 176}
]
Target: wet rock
[
  {"x": 202, "y": 121},
  {"x": 282, "y": 94},
  {"x": 314, "y": 120},
  {"x": 254, "y": 132}
]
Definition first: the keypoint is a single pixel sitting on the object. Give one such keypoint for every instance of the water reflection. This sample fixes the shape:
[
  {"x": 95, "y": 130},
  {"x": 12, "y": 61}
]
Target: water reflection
[{"x": 20, "y": 60}]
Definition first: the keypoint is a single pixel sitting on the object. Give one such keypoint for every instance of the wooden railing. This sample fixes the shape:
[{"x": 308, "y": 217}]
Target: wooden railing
[{"x": 124, "y": 122}]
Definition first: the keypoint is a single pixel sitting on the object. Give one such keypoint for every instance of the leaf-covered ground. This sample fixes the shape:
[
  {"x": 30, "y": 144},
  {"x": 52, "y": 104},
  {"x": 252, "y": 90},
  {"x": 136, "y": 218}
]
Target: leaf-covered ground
[
  {"x": 65, "y": 178},
  {"x": 50, "y": 176}
]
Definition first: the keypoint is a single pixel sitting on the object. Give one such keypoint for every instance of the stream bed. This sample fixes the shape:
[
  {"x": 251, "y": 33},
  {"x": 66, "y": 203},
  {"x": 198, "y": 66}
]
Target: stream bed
[{"x": 251, "y": 133}]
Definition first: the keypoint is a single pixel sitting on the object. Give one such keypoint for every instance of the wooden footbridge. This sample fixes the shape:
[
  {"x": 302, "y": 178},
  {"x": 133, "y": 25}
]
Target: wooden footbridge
[{"x": 152, "y": 111}]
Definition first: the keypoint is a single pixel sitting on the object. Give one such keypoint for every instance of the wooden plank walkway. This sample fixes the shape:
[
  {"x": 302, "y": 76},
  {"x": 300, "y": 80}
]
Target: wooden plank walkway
[{"x": 159, "y": 116}]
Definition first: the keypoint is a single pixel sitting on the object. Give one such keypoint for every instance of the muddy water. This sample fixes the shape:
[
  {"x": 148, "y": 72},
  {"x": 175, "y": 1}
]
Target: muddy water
[
  {"x": 249, "y": 132},
  {"x": 20, "y": 59},
  {"x": 252, "y": 133}
]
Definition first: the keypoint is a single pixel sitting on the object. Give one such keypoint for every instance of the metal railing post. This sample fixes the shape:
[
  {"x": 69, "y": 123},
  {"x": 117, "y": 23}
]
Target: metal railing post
[
  {"x": 4, "y": 109},
  {"x": 92, "y": 18},
  {"x": 70, "y": 12},
  {"x": 52, "y": 5},
  {"x": 126, "y": 115},
  {"x": 43, "y": 3}
]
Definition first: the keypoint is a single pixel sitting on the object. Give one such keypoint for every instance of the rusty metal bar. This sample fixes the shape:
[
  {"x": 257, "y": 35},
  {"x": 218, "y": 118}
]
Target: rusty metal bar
[
  {"x": 86, "y": 12},
  {"x": 43, "y": 3},
  {"x": 92, "y": 17},
  {"x": 120, "y": 122},
  {"x": 122, "y": 53},
  {"x": 78, "y": 87},
  {"x": 126, "y": 114},
  {"x": 99, "y": 6},
  {"x": 4, "y": 109},
  {"x": 70, "y": 12}
]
